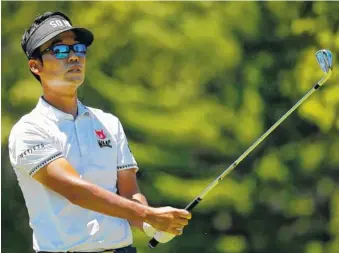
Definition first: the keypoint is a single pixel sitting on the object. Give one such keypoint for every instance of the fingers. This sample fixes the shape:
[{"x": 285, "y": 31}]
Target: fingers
[
  {"x": 182, "y": 221},
  {"x": 184, "y": 214},
  {"x": 178, "y": 228},
  {"x": 175, "y": 230},
  {"x": 171, "y": 220}
]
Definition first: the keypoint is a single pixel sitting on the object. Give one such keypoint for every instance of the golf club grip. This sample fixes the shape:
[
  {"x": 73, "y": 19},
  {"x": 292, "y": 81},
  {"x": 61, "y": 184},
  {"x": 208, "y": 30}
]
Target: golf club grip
[
  {"x": 153, "y": 242},
  {"x": 193, "y": 204}
]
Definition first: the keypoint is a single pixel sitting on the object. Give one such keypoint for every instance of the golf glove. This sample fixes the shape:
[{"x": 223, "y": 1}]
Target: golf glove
[
  {"x": 163, "y": 237},
  {"x": 149, "y": 230},
  {"x": 160, "y": 236}
]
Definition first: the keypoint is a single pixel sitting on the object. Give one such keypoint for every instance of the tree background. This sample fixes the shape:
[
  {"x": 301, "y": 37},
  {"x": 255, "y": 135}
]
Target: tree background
[{"x": 195, "y": 84}]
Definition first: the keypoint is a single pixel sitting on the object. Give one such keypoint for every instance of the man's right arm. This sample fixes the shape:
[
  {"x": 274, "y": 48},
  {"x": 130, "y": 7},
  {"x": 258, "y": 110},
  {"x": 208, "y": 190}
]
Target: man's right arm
[{"x": 63, "y": 179}]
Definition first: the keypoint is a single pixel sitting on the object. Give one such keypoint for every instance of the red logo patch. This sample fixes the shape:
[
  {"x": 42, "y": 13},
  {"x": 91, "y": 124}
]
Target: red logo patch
[{"x": 100, "y": 134}]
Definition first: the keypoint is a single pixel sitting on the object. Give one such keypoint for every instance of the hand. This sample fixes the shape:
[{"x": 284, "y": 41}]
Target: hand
[
  {"x": 169, "y": 219},
  {"x": 161, "y": 237}
]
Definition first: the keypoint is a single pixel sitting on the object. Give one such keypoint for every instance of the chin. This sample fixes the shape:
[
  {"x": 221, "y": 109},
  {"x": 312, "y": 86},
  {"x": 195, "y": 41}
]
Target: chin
[
  {"x": 75, "y": 77},
  {"x": 77, "y": 81}
]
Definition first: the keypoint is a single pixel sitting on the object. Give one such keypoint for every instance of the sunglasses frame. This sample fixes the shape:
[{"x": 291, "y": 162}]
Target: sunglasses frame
[{"x": 71, "y": 47}]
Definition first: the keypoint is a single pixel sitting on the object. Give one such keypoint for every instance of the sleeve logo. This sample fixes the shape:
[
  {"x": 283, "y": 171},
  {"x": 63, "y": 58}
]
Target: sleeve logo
[{"x": 31, "y": 150}]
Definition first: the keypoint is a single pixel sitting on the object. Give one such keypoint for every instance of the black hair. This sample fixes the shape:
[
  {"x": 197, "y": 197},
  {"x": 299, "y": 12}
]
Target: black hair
[{"x": 28, "y": 33}]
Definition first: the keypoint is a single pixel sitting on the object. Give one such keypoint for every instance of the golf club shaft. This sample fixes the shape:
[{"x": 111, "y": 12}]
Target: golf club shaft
[
  {"x": 324, "y": 58},
  {"x": 197, "y": 200},
  {"x": 153, "y": 242}
]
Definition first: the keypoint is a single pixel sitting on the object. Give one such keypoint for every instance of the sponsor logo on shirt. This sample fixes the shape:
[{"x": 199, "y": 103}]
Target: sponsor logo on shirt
[
  {"x": 102, "y": 139},
  {"x": 31, "y": 150}
]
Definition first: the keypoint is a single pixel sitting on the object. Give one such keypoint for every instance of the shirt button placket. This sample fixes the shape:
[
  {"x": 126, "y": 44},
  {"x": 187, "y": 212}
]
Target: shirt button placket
[{"x": 80, "y": 128}]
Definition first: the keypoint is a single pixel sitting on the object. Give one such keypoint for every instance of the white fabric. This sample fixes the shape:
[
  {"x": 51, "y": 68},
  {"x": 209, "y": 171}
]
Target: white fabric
[{"x": 96, "y": 146}]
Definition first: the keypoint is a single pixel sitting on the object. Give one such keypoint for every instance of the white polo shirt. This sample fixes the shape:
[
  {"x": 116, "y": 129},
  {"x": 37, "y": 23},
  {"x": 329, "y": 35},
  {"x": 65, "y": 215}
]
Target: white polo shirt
[{"x": 96, "y": 146}]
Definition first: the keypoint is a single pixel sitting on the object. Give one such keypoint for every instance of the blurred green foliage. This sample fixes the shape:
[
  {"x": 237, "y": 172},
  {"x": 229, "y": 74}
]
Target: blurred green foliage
[{"x": 194, "y": 84}]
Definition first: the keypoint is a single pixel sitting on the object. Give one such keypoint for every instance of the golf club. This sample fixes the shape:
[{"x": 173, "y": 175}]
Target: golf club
[{"x": 324, "y": 58}]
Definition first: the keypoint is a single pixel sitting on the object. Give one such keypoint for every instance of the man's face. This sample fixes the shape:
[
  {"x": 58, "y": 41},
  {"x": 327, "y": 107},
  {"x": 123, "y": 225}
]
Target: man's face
[{"x": 62, "y": 72}]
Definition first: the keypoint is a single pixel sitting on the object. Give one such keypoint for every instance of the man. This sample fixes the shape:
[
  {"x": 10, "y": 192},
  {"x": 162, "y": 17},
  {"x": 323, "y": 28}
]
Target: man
[{"x": 73, "y": 163}]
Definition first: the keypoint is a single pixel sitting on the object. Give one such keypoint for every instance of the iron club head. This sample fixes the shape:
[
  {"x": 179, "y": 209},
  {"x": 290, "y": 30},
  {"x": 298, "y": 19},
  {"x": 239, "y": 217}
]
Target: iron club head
[{"x": 324, "y": 58}]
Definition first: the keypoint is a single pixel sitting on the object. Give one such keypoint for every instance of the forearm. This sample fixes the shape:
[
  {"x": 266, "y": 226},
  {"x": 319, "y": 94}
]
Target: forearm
[
  {"x": 139, "y": 198},
  {"x": 97, "y": 199}
]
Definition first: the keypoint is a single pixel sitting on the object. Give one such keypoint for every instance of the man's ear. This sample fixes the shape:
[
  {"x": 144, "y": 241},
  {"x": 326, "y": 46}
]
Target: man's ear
[{"x": 35, "y": 66}]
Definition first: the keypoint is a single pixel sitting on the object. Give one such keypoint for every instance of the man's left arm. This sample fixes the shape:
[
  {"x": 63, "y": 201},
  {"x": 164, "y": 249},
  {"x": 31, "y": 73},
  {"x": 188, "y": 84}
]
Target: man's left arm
[{"x": 128, "y": 187}]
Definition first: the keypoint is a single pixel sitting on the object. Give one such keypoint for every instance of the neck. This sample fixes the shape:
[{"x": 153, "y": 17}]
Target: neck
[{"x": 65, "y": 103}]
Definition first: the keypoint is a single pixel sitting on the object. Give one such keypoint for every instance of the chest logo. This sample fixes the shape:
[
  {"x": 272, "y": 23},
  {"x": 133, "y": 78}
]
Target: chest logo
[
  {"x": 100, "y": 134},
  {"x": 102, "y": 139}
]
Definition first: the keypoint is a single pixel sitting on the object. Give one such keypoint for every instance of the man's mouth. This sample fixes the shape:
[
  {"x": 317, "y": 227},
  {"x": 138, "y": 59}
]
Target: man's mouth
[{"x": 75, "y": 69}]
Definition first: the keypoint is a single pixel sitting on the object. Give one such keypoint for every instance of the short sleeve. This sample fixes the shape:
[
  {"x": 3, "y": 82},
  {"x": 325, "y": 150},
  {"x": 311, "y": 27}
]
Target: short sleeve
[
  {"x": 125, "y": 156},
  {"x": 30, "y": 149}
]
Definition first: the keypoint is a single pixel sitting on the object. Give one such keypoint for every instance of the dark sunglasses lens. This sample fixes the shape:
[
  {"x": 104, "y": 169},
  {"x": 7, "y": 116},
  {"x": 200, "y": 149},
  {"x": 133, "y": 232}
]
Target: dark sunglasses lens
[
  {"x": 80, "y": 49},
  {"x": 61, "y": 51}
]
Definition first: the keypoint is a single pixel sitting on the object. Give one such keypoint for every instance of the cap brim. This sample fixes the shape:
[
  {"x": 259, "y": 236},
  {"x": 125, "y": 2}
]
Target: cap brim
[{"x": 83, "y": 35}]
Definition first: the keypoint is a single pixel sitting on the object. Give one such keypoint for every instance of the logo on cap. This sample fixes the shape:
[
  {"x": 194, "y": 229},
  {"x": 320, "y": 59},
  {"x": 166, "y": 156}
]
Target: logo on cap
[{"x": 59, "y": 23}]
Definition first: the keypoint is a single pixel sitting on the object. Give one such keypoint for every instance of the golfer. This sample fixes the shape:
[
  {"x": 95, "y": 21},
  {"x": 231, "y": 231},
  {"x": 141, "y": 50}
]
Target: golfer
[{"x": 73, "y": 162}]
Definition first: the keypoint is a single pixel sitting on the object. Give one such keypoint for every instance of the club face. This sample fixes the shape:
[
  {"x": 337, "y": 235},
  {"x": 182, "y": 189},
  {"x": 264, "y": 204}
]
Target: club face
[{"x": 324, "y": 58}]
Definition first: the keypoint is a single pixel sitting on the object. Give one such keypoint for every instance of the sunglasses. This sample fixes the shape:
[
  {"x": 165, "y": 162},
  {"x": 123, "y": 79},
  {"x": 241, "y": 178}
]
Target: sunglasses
[{"x": 62, "y": 51}]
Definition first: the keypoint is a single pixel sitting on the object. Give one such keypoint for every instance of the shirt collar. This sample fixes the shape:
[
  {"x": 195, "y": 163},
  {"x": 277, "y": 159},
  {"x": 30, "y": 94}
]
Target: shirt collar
[{"x": 55, "y": 114}]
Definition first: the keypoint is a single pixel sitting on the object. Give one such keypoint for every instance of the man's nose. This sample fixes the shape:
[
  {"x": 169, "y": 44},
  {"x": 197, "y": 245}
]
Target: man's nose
[{"x": 73, "y": 57}]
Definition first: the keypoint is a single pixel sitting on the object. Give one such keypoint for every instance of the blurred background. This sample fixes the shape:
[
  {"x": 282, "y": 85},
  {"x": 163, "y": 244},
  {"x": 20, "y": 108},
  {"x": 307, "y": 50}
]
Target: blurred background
[{"x": 194, "y": 85}]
